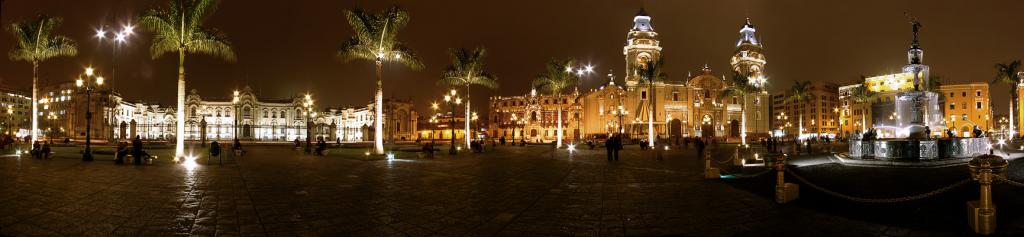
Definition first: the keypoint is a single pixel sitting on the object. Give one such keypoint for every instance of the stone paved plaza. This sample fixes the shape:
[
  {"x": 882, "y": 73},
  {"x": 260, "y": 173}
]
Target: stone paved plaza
[{"x": 516, "y": 191}]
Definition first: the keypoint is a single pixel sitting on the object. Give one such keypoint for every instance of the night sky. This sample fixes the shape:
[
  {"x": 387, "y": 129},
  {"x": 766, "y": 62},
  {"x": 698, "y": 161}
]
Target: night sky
[{"x": 287, "y": 48}]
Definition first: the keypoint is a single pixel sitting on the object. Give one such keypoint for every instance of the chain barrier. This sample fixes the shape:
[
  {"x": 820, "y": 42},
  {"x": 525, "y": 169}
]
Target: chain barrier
[
  {"x": 1010, "y": 181},
  {"x": 879, "y": 200}
]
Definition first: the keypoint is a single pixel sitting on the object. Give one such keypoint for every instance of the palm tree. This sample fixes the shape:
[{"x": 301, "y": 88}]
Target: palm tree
[
  {"x": 36, "y": 42},
  {"x": 800, "y": 93},
  {"x": 1007, "y": 73},
  {"x": 178, "y": 28},
  {"x": 467, "y": 69},
  {"x": 863, "y": 96},
  {"x": 554, "y": 81},
  {"x": 740, "y": 86},
  {"x": 375, "y": 40},
  {"x": 650, "y": 72}
]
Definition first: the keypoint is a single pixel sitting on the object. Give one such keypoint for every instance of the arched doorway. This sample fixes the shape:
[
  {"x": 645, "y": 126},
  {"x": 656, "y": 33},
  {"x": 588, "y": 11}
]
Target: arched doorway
[
  {"x": 734, "y": 128},
  {"x": 533, "y": 132},
  {"x": 707, "y": 126},
  {"x": 675, "y": 128},
  {"x": 247, "y": 131}
]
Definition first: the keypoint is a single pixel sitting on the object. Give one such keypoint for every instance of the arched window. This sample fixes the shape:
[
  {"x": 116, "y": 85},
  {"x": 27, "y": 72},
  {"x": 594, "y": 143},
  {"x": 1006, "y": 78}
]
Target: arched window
[
  {"x": 247, "y": 112},
  {"x": 533, "y": 116},
  {"x": 282, "y": 114},
  {"x": 266, "y": 113},
  {"x": 193, "y": 111}
]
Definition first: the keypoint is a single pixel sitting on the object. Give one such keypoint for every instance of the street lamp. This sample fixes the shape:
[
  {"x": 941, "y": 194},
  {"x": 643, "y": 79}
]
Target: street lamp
[
  {"x": 308, "y": 105},
  {"x": 90, "y": 82},
  {"x": 433, "y": 121},
  {"x": 117, "y": 38},
  {"x": 452, "y": 99},
  {"x": 580, "y": 72}
]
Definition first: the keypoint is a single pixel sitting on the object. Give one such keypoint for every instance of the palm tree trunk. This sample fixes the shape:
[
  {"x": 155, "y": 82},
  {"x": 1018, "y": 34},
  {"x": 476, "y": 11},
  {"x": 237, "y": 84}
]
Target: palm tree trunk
[
  {"x": 35, "y": 101},
  {"x": 378, "y": 122},
  {"x": 467, "y": 117},
  {"x": 650, "y": 117},
  {"x": 559, "y": 131},
  {"x": 179, "y": 146},
  {"x": 743, "y": 124}
]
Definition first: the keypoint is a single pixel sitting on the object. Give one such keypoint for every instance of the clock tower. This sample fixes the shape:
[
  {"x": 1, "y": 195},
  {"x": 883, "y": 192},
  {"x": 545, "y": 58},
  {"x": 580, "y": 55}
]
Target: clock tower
[{"x": 749, "y": 60}]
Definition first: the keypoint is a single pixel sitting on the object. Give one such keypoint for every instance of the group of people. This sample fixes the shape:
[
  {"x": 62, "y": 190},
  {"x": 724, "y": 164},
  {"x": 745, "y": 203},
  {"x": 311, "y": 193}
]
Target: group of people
[
  {"x": 41, "y": 151},
  {"x": 136, "y": 150},
  {"x": 613, "y": 145}
]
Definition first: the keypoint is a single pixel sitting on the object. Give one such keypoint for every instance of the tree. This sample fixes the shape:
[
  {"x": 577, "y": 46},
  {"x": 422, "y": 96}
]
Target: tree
[
  {"x": 740, "y": 86},
  {"x": 863, "y": 96},
  {"x": 799, "y": 94},
  {"x": 36, "y": 43},
  {"x": 650, "y": 72},
  {"x": 467, "y": 69},
  {"x": 375, "y": 40},
  {"x": 554, "y": 81},
  {"x": 1007, "y": 73}
]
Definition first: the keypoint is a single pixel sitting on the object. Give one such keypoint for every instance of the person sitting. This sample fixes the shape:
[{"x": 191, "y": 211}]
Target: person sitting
[
  {"x": 46, "y": 150},
  {"x": 321, "y": 146},
  {"x": 428, "y": 150},
  {"x": 237, "y": 148},
  {"x": 36, "y": 150},
  {"x": 214, "y": 150},
  {"x": 297, "y": 144},
  {"x": 122, "y": 151},
  {"x": 67, "y": 140}
]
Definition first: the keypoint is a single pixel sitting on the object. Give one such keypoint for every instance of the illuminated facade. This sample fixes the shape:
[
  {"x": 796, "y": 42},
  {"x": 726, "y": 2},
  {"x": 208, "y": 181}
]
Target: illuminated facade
[
  {"x": 690, "y": 107},
  {"x": 966, "y": 106},
  {"x": 534, "y": 117},
  {"x": 818, "y": 117},
  {"x": 15, "y": 109}
]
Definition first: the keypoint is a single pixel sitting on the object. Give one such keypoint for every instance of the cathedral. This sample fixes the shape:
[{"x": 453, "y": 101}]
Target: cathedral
[
  {"x": 694, "y": 106},
  {"x": 697, "y": 106}
]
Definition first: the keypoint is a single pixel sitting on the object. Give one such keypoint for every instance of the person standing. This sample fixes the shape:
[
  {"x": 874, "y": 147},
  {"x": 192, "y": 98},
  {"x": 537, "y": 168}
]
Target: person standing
[
  {"x": 700, "y": 148},
  {"x": 609, "y": 146},
  {"x": 618, "y": 146}
]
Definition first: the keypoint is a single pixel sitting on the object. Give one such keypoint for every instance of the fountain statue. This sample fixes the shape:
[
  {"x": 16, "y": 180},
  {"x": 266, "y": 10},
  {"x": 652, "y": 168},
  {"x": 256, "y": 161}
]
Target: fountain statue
[{"x": 917, "y": 110}]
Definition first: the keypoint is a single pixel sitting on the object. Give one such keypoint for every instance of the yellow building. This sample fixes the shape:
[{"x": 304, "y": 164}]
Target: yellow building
[
  {"x": 966, "y": 106},
  {"x": 534, "y": 117}
]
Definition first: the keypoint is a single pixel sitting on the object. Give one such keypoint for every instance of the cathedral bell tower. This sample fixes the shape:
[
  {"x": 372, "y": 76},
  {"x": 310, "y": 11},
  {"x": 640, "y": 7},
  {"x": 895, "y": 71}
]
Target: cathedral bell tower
[
  {"x": 642, "y": 46},
  {"x": 748, "y": 59}
]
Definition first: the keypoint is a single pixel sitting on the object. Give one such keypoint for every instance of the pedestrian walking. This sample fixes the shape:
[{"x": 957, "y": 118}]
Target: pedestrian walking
[{"x": 609, "y": 146}]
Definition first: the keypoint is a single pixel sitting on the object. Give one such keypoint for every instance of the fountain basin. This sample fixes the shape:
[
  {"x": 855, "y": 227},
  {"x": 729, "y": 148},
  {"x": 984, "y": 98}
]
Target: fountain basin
[{"x": 914, "y": 149}]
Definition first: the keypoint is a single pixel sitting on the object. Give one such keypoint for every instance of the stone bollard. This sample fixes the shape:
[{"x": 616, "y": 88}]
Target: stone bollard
[
  {"x": 981, "y": 214},
  {"x": 737, "y": 160},
  {"x": 784, "y": 192},
  {"x": 710, "y": 172}
]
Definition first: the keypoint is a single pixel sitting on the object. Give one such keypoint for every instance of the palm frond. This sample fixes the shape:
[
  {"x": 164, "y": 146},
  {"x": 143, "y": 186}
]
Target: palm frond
[
  {"x": 36, "y": 40},
  {"x": 376, "y": 38},
  {"x": 211, "y": 43},
  {"x": 178, "y": 26}
]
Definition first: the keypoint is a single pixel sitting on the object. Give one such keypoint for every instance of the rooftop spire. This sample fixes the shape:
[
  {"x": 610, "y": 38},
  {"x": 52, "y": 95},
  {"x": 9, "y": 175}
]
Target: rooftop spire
[
  {"x": 747, "y": 34},
  {"x": 642, "y": 22}
]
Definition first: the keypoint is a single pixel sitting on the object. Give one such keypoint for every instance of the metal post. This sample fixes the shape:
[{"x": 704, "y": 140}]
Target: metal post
[
  {"x": 87, "y": 154},
  {"x": 451, "y": 125},
  {"x": 981, "y": 214},
  {"x": 784, "y": 192}
]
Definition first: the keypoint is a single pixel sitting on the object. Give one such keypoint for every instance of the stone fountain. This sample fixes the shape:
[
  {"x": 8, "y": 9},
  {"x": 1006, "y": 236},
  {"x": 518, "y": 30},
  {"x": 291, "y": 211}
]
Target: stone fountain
[{"x": 916, "y": 112}]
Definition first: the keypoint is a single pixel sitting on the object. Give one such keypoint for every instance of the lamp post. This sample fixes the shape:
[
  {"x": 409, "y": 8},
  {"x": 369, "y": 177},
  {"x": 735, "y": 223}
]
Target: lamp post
[
  {"x": 90, "y": 82},
  {"x": 452, "y": 99},
  {"x": 117, "y": 39},
  {"x": 782, "y": 116},
  {"x": 433, "y": 121},
  {"x": 308, "y": 105},
  {"x": 580, "y": 72}
]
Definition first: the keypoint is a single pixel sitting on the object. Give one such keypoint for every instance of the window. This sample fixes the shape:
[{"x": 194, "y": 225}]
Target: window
[
  {"x": 246, "y": 112},
  {"x": 282, "y": 114},
  {"x": 963, "y": 105},
  {"x": 952, "y": 105},
  {"x": 964, "y": 116},
  {"x": 643, "y": 95},
  {"x": 266, "y": 114},
  {"x": 952, "y": 118},
  {"x": 977, "y": 105},
  {"x": 951, "y": 95},
  {"x": 964, "y": 94},
  {"x": 675, "y": 96},
  {"x": 977, "y": 93}
]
